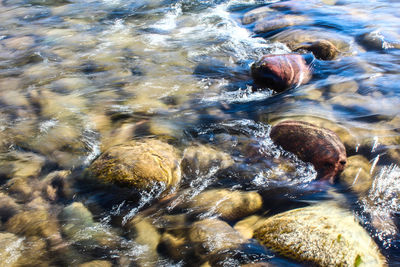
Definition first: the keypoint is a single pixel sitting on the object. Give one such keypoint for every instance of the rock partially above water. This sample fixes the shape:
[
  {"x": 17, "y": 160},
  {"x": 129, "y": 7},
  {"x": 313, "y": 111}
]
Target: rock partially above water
[
  {"x": 313, "y": 144},
  {"x": 378, "y": 40},
  {"x": 324, "y": 234},
  {"x": 140, "y": 164},
  {"x": 280, "y": 72},
  {"x": 322, "y": 49}
]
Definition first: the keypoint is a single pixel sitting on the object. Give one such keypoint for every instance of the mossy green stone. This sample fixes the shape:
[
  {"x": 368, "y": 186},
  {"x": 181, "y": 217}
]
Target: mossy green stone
[{"x": 323, "y": 234}]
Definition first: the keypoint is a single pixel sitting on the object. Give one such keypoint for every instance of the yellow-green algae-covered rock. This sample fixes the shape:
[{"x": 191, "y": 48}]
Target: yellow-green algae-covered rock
[
  {"x": 230, "y": 205},
  {"x": 323, "y": 234},
  {"x": 140, "y": 164}
]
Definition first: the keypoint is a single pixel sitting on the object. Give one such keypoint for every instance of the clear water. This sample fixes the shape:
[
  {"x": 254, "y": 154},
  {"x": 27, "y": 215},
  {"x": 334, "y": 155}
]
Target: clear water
[{"x": 78, "y": 76}]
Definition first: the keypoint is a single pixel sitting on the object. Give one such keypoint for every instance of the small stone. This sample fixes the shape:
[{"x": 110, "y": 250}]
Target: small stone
[
  {"x": 203, "y": 159},
  {"x": 11, "y": 248},
  {"x": 143, "y": 232},
  {"x": 313, "y": 144},
  {"x": 21, "y": 164},
  {"x": 267, "y": 24},
  {"x": 33, "y": 223},
  {"x": 56, "y": 186},
  {"x": 294, "y": 38},
  {"x": 281, "y": 72},
  {"x": 378, "y": 40},
  {"x": 8, "y": 207},
  {"x": 174, "y": 246},
  {"x": 322, "y": 49},
  {"x": 323, "y": 234},
  {"x": 357, "y": 174},
  {"x": 140, "y": 164},
  {"x": 19, "y": 43},
  {"x": 97, "y": 263},
  {"x": 229, "y": 205},
  {"x": 247, "y": 226},
  {"x": 79, "y": 227},
  {"x": 212, "y": 235},
  {"x": 256, "y": 14}
]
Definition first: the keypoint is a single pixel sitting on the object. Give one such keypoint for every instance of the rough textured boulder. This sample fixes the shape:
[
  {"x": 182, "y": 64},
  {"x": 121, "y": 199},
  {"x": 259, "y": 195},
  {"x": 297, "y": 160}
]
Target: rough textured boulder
[
  {"x": 140, "y": 164},
  {"x": 229, "y": 205},
  {"x": 324, "y": 234},
  {"x": 281, "y": 72},
  {"x": 313, "y": 144}
]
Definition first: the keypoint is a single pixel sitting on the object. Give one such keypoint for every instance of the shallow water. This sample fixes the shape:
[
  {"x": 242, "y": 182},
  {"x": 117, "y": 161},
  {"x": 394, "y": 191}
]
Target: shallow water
[{"x": 79, "y": 77}]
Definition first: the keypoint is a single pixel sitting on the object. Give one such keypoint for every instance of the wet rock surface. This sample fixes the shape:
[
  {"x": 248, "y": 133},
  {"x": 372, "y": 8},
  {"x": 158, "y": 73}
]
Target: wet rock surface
[
  {"x": 319, "y": 146},
  {"x": 229, "y": 205},
  {"x": 139, "y": 164},
  {"x": 281, "y": 72},
  {"x": 98, "y": 99},
  {"x": 323, "y": 234}
]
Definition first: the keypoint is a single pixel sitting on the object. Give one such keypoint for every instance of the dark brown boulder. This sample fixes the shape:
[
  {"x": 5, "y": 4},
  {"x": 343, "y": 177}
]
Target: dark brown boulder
[
  {"x": 280, "y": 72},
  {"x": 313, "y": 144},
  {"x": 322, "y": 49}
]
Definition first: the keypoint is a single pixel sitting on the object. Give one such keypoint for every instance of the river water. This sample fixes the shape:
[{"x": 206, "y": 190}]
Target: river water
[{"x": 77, "y": 77}]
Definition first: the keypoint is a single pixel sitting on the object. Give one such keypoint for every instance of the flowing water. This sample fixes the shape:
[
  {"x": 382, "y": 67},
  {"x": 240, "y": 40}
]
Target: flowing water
[{"x": 77, "y": 77}]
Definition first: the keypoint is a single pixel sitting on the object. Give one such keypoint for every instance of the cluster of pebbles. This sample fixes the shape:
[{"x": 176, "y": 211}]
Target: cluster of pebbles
[{"x": 210, "y": 227}]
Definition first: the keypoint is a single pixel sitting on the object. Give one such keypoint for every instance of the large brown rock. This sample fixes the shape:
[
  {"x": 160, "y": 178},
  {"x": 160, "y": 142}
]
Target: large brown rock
[
  {"x": 140, "y": 164},
  {"x": 281, "y": 72},
  {"x": 313, "y": 144},
  {"x": 322, "y": 235}
]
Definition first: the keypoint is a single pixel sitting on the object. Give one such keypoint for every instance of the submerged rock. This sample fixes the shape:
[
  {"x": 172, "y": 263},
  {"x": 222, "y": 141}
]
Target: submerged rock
[
  {"x": 202, "y": 159},
  {"x": 357, "y": 174},
  {"x": 323, "y": 234},
  {"x": 280, "y": 72},
  {"x": 140, "y": 164},
  {"x": 21, "y": 164},
  {"x": 229, "y": 205},
  {"x": 8, "y": 207},
  {"x": 378, "y": 40},
  {"x": 11, "y": 247},
  {"x": 211, "y": 235},
  {"x": 79, "y": 227},
  {"x": 321, "y": 49},
  {"x": 279, "y": 22},
  {"x": 256, "y": 14},
  {"x": 313, "y": 144},
  {"x": 97, "y": 263},
  {"x": 35, "y": 223},
  {"x": 294, "y": 38}
]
